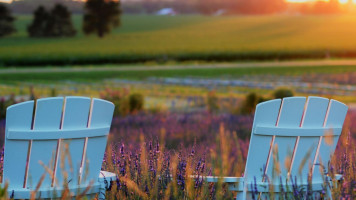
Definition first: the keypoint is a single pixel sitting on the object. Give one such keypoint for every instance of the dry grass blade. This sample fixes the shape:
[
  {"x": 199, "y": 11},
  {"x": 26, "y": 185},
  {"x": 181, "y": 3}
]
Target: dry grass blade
[
  {"x": 81, "y": 195},
  {"x": 304, "y": 161},
  {"x": 329, "y": 137},
  {"x": 67, "y": 154},
  {"x": 38, "y": 186},
  {"x": 133, "y": 186},
  {"x": 65, "y": 193},
  {"x": 276, "y": 165},
  {"x": 47, "y": 169}
]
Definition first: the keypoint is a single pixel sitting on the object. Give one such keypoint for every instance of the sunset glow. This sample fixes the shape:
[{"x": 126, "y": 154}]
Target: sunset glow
[
  {"x": 290, "y": 1},
  {"x": 306, "y": 1}
]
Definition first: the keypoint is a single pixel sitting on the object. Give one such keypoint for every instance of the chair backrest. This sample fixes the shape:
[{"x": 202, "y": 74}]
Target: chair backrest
[
  {"x": 292, "y": 136},
  {"x": 56, "y": 135}
]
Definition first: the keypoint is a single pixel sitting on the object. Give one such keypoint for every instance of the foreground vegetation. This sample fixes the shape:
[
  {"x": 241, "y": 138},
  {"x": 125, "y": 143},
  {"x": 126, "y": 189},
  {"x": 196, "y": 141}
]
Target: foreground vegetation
[
  {"x": 155, "y": 152},
  {"x": 180, "y": 38},
  {"x": 148, "y": 166}
]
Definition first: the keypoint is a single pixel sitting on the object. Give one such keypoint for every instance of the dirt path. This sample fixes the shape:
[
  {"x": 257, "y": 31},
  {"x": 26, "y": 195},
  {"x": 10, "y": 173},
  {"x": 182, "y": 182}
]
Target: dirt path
[{"x": 313, "y": 63}]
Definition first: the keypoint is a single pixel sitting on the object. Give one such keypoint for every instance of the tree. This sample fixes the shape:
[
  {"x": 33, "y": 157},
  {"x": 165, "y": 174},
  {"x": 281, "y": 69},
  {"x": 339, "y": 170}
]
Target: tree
[
  {"x": 100, "y": 16},
  {"x": 39, "y": 23},
  {"x": 330, "y": 7},
  {"x": 29, "y": 6},
  {"x": 56, "y": 23},
  {"x": 248, "y": 106},
  {"x": 60, "y": 23},
  {"x": 6, "y": 21},
  {"x": 212, "y": 102},
  {"x": 282, "y": 93},
  {"x": 136, "y": 102}
]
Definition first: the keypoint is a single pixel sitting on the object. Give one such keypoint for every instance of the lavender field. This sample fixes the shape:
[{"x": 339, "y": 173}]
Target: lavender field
[
  {"x": 166, "y": 130},
  {"x": 204, "y": 144},
  {"x": 146, "y": 149}
]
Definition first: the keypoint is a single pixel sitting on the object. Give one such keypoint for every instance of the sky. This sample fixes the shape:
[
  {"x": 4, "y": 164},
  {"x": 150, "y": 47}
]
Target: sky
[{"x": 303, "y": 1}]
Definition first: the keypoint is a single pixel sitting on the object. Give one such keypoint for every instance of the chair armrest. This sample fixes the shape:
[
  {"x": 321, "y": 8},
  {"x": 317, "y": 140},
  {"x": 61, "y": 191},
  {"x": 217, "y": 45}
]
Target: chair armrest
[
  {"x": 106, "y": 179},
  {"x": 234, "y": 183},
  {"x": 214, "y": 179},
  {"x": 338, "y": 177},
  {"x": 107, "y": 175}
]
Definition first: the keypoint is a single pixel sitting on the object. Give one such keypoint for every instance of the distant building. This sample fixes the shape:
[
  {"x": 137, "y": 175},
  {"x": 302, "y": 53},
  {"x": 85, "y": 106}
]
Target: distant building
[
  {"x": 166, "y": 11},
  {"x": 220, "y": 12}
]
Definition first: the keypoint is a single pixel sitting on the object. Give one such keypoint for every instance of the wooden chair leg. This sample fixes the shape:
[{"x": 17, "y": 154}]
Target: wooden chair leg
[
  {"x": 328, "y": 192},
  {"x": 102, "y": 194},
  {"x": 240, "y": 196}
]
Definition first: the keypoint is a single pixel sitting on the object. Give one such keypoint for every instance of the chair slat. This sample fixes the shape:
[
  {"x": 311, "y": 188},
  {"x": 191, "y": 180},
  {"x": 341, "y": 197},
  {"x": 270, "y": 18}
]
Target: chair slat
[
  {"x": 101, "y": 115},
  {"x": 18, "y": 116},
  {"x": 266, "y": 115},
  {"x": 335, "y": 118},
  {"x": 305, "y": 151},
  {"x": 58, "y": 134},
  {"x": 47, "y": 117},
  {"x": 76, "y": 115},
  {"x": 301, "y": 131},
  {"x": 291, "y": 113}
]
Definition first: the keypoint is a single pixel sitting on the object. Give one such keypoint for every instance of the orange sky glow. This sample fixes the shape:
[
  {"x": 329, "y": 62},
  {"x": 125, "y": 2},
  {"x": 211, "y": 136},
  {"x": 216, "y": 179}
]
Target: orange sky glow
[
  {"x": 305, "y": 1},
  {"x": 290, "y": 1}
]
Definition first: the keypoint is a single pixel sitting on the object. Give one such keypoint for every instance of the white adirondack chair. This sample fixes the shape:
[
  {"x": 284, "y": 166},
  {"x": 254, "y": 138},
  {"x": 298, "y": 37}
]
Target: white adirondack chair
[
  {"x": 302, "y": 128},
  {"x": 38, "y": 135}
]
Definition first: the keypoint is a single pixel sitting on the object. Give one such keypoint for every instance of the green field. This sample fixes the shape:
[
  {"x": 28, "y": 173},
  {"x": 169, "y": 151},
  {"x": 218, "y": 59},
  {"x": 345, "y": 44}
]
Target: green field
[
  {"x": 182, "y": 38},
  {"x": 92, "y": 81},
  {"x": 96, "y": 74}
]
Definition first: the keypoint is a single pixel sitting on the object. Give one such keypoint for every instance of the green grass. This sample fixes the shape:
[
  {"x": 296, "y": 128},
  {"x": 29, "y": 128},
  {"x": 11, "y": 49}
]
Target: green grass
[
  {"x": 181, "y": 38},
  {"x": 219, "y": 72}
]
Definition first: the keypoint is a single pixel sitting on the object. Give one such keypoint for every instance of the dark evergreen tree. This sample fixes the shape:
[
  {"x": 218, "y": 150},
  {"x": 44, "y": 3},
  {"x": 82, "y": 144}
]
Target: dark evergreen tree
[
  {"x": 6, "y": 21},
  {"x": 56, "y": 23},
  {"x": 39, "y": 23},
  {"x": 29, "y": 6},
  {"x": 60, "y": 23},
  {"x": 101, "y": 16}
]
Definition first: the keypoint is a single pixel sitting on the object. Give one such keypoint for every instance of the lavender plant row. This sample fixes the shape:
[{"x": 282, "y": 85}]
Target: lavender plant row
[
  {"x": 179, "y": 128},
  {"x": 154, "y": 154}
]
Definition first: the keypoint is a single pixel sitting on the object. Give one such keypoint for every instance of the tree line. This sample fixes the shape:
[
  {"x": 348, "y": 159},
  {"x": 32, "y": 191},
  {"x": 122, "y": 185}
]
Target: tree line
[
  {"x": 100, "y": 17},
  {"x": 195, "y": 6}
]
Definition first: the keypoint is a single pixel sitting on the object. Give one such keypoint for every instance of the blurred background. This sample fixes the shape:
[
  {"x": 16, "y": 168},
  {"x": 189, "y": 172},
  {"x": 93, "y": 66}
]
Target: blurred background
[{"x": 182, "y": 72}]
